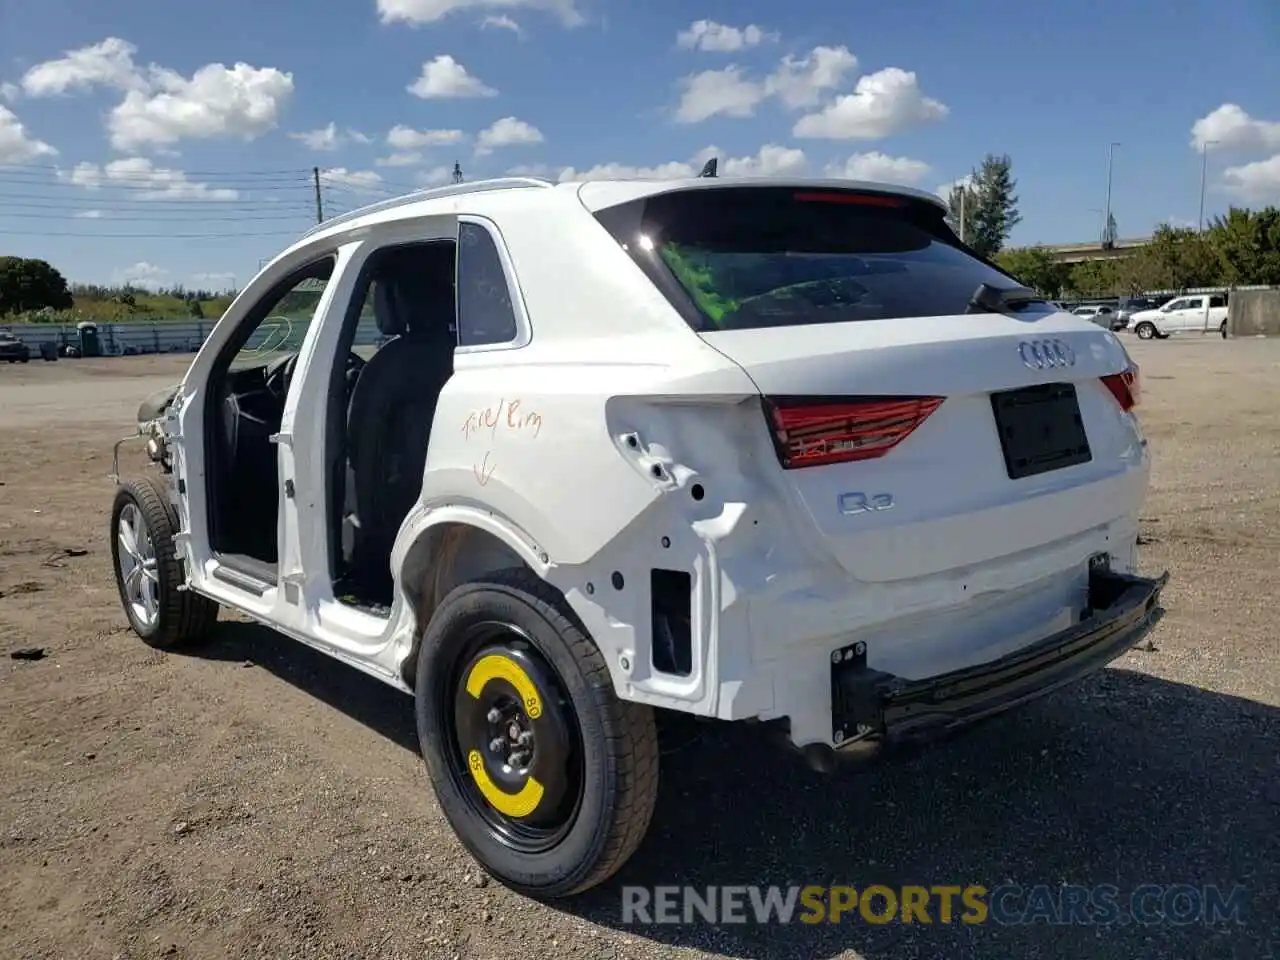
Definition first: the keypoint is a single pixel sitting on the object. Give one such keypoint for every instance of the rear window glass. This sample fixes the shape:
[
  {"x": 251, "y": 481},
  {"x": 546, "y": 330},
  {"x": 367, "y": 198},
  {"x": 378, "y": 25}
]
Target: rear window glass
[{"x": 734, "y": 258}]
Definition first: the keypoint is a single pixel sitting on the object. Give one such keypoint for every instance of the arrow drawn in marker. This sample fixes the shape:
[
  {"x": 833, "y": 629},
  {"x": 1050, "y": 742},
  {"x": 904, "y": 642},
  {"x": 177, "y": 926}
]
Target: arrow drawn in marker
[{"x": 483, "y": 471}]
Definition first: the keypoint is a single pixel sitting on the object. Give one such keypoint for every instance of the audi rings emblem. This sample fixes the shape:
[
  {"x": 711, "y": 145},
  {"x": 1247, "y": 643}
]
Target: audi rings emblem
[{"x": 1045, "y": 354}]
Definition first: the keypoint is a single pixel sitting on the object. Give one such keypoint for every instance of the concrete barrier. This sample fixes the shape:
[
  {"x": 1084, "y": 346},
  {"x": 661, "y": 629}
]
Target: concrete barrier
[{"x": 1254, "y": 313}]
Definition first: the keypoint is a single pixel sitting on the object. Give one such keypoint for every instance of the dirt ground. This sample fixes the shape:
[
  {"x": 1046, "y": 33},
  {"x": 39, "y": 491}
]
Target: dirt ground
[{"x": 257, "y": 800}]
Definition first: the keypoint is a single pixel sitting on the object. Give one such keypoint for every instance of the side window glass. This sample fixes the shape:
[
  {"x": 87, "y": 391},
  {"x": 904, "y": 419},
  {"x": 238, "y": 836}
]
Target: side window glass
[
  {"x": 485, "y": 313},
  {"x": 1218, "y": 301},
  {"x": 286, "y": 317}
]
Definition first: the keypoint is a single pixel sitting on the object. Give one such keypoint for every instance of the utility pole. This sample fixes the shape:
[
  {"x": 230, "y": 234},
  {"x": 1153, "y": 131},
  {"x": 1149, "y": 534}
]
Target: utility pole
[
  {"x": 315, "y": 174},
  {"x": 1204, "y": 173},
  {"x": 1106, "y": 220},
  {"x": 457, "y": 172}
]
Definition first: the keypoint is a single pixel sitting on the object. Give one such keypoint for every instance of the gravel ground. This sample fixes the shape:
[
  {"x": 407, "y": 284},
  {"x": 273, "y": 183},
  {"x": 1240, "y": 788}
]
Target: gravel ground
[{"x": 257, "y": 800}]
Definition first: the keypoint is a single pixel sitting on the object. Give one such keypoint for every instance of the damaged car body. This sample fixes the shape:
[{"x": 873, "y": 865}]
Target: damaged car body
[{"x": 552, "y": 458}]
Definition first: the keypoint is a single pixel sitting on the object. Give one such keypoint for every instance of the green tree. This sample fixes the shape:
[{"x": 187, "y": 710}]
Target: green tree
[
  {"x": 29, "y": 284},
  {"x": 994, "y": 211},
  {"x": 1246, "y": 246},
  {"x": 1093, "y": 278},
  {"x": 194, "y": 308},
  {"x": 1176, "y": 258},
  {"x": 1036, "y": 268}
]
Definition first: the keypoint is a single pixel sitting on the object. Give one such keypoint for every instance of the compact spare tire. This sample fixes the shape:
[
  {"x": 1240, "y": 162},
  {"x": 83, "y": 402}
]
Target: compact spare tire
[
  {"x": 148, "y": 572},
  {"x": 547, "y": 778}
]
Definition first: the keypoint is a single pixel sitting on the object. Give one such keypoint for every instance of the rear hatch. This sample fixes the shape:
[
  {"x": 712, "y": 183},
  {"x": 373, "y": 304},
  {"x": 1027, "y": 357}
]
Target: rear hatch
[{"x": 927, "y": 413}]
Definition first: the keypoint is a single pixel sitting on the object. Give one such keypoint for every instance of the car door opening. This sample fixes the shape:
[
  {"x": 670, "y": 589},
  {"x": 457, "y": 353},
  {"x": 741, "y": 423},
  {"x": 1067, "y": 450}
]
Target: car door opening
[
  {"x": 403, "y": 317},
  {"x": 248, "y": 386}
]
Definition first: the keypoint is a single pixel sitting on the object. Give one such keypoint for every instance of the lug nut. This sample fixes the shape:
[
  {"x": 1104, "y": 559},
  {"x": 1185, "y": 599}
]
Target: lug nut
[
  {"x": 493, "y": 716},
  {"x": 525, "y": 738},
  {"x": 496, "y": 744},
  {"x": 519, "y": 758}
]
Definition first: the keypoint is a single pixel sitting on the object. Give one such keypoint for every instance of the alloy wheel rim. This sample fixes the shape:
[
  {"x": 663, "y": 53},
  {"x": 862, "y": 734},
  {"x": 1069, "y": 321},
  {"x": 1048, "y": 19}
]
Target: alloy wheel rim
[{"x": 138, "y": 568}]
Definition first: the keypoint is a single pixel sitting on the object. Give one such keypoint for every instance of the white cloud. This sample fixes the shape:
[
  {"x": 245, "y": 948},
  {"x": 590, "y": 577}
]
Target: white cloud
[
  {"x": 444, "y": 77},
  {"x": 881, "y": 167},
  {"x": 363, "y": 180},
  {"x": 149, "y": 181},
  {"x": 502, "y": 22},
  {"x": 944, "y": 189},
  {"x": 325, "y": 138},
  {"x": 409, "y": 159},
  {"x": 9, "y": 92},
  {"x": 433, "y": 177},
  {"x": 1257, "y": 181},
  {"x": 883, "y": 103},
  {"x": 218, "y": 101},
  {"x": 402, "y": 137},
  {"x": 712, "y": 37},
  {"x": 161, "y": 106},
  {"x": 358, "y": 137},
  {"x": 714, "y": 92},
  {"x": 796, "y": 82},
  {"x": 16, "y": 145},
  {"x": 801, "y": 81},
  {"x": 108, "y": 64},
  {"x": 89, "y": 215},
  {"x": 141, "y": 274},
  {"x": 507, "y": 132},
  {"x": 418, "y": 12},
  {"x": 770, "y": 160},
  {"x": 1229, "y": 127}
]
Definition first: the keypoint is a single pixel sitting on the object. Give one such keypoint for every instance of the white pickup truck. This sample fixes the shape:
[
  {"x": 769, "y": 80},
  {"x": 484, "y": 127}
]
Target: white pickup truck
[{"x": 1198, "y": 313}]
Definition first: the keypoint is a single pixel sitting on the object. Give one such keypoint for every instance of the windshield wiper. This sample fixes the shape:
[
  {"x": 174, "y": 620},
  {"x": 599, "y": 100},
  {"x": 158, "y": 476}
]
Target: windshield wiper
[{"x": 992, "y": 299}]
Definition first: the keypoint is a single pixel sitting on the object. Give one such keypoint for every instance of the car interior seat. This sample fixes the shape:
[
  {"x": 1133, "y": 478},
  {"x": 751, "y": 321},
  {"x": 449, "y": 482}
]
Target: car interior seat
[{"x": 392, "y": 408}]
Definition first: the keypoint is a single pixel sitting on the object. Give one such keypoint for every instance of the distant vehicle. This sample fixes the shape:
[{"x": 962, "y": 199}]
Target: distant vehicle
[
  {"x": 13, "y": 350},
  {"x": 1196, "y": 313},
  {"x": 1104, "y": 316}
]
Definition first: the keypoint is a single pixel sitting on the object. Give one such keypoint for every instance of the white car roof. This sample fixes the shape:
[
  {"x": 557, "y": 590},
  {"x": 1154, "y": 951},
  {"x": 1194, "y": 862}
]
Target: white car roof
[{"x": 483, "y": 195}]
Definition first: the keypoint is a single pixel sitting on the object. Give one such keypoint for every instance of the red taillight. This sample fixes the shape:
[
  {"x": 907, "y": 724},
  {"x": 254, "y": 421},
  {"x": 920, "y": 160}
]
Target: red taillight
[
  {"x": 862, "y": 199},
  {"x": 810, "y": 432},
  {"x": 1126, "y": 387}
]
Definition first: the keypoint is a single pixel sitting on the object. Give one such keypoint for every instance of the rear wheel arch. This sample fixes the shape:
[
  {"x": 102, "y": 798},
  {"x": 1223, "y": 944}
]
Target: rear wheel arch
[{"x": 446, "y": 555}]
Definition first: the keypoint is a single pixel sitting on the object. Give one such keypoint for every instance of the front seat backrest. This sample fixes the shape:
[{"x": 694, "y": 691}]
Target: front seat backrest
[{"x": 392, "y": 409}]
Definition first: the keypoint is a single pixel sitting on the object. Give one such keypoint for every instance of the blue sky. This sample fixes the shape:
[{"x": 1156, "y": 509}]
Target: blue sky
[{"x": 173, "y": 143}]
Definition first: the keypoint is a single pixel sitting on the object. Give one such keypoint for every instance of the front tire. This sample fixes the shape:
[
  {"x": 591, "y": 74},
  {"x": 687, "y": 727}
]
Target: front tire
[
  {"x": 148, "y": 573},
  {"x": 1145, "y": 330},
  {"x": 1223, "y": 329},
  {"x": 545, "y": 775}
]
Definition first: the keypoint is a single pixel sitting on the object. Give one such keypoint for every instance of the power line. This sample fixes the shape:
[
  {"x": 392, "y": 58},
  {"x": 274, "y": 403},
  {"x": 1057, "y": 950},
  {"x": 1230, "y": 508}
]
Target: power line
[
  {"x": 152, "y": 236},
  {"x": 59, "y": 173}
]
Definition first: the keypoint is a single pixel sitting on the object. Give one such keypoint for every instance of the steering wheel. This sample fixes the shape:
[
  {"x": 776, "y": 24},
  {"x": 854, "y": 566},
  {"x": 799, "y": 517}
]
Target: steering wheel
[{"x": 279, "y": 373}]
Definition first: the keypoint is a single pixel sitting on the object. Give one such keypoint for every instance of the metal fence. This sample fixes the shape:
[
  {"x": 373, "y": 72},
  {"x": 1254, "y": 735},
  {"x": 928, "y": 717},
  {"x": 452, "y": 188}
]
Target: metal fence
[{"x": 178, "y": 336}]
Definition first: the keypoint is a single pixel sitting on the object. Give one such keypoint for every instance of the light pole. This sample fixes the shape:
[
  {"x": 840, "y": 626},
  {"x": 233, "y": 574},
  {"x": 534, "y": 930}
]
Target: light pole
[
  {"x": 1204, "y": 172},
  {"x": 1111, "y": 149}
]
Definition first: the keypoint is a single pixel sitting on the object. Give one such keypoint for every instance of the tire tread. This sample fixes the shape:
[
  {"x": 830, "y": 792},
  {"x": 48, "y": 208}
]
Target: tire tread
[{"x": 185, "y": 617}]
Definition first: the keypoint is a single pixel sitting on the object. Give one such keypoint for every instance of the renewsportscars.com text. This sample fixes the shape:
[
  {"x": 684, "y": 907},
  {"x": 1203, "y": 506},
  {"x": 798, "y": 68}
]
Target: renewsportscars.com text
[{"x": 1008, "y": 905}]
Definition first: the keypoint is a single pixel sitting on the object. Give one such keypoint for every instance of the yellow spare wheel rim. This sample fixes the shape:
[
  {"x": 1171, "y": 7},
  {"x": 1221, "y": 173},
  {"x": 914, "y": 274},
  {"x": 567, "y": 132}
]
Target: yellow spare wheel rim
[{"x": 519, "y": 744}]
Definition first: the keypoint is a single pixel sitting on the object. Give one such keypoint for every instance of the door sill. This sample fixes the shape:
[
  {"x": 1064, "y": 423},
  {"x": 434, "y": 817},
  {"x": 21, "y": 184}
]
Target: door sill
[{"x": 246, "y": 573}]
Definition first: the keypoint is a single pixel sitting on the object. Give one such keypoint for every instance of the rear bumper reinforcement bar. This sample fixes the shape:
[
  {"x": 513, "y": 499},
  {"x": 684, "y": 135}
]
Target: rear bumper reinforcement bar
[{"x": 868, "y": 704}]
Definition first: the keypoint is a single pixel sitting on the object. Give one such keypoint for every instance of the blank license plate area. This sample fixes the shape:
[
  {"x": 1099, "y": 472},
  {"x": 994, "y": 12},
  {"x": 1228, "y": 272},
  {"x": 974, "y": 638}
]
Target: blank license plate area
[{"x": 1040, "y": 429}]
